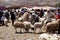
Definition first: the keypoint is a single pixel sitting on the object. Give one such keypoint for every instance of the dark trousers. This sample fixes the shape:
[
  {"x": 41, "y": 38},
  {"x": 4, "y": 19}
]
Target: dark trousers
[
  {"x": 13, "y": 22},
  {"x": 2, "y": 22}
]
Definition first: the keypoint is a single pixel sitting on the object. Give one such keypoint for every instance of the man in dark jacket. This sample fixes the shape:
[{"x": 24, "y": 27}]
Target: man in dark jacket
[
  {"x": 1, "y": 13},
  {"x": 13, "y": 17},
  {"x": 41, "y": 12},
  {"x": 7, "y": 15}
]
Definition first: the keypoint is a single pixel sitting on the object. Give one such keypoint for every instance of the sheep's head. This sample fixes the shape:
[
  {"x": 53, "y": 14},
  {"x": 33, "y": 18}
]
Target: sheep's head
[
  {"x": 20, "y": 19},
  {"x": 58, "y": 20}
]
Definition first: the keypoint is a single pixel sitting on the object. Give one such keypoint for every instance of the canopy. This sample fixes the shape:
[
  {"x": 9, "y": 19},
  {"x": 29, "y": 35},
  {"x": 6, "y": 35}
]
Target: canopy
[{"x": 45, "y": 8}]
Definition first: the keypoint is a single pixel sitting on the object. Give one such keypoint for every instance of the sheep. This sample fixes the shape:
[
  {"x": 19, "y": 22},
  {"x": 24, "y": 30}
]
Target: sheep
[
  {"x": 52, "y": 26},
  {"x": 46, "y": 36},
  {"x": 18, "y": 25},
  {"x": 19, "y": 14},
  {"x": 25, "y": 25},
  {"x": 24, "y": 17},
  {"x": 45, "y": 23},
  {"x": 20, "y": 19},
  {"x": 28, "y": 25},
  {"x": 37, "y": 25},
  {"x": 42, "y": 19},
  {"x": 54, "y": 37}
]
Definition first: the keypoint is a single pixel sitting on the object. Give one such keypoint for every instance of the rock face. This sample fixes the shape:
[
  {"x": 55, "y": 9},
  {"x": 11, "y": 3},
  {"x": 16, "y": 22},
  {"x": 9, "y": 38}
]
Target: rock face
[{"x": 28, "y": 2}]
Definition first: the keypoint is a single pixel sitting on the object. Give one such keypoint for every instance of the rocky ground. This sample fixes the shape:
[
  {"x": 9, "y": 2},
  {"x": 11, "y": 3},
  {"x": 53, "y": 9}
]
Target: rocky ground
[{"x": 8, "y": 33}]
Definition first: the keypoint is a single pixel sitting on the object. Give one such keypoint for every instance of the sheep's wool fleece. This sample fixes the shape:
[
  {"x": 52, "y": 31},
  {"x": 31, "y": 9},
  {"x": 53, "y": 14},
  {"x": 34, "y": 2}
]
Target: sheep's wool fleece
[
  {"x": 46, "y": 36},
  {"x": 19, "y": 19}
]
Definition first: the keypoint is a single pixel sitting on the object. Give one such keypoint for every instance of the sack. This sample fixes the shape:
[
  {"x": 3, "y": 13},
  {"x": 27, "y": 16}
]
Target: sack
[{"x": 2, "y": 18}]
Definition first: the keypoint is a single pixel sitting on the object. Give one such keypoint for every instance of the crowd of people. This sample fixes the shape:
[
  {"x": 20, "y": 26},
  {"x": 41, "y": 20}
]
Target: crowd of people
[
  {"x": 34, "y": 15},
  {"x": 38, "y": 13},
  {"x": 6, "y": 15}
]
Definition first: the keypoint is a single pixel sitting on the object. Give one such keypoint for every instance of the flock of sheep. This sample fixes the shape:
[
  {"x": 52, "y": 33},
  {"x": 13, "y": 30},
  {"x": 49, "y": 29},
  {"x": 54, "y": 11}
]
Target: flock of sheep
[{"x": 23, "y": 23}]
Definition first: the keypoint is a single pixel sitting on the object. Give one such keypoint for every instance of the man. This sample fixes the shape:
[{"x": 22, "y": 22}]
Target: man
[
  {"x": 1, "y": 13},
  {"x": 13, "y": 16},
  {"x": 41, "y": 12},
  {"x": 7, "y": 15},
  {"x": 2, "y": 19},
  {"x": 58, "y": 17},
  {"x": 34, "y": 18},
  {"x": 48, "y": 16},
  {"x": 58, "y": 14}
]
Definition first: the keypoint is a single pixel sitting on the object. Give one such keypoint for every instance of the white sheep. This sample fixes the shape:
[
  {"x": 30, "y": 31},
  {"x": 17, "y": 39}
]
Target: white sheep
[
  {"x": 18, "y": 25},
  {"x": 38, "y": 25},
  {"x": 41, "y": 19},
  {"x": 46, "y": 36},
  {"x": 20, "y": 19}
]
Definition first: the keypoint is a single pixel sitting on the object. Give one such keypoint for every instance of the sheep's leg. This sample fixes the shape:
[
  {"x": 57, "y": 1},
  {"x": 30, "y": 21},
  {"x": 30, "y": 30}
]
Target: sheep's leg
[
  {"x": 15, "y": 30},
  {"x": 20, "y": 30},
  {"x": 34, "y": 30},
  {"x": 27, "y": 29},
  {"x": 6, "y": 24},
  {"x": 40, "y": 30}
]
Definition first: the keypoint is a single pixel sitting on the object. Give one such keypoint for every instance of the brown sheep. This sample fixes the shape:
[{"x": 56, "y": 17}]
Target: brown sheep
[
  {"x": 28, "y": 25},
  {"x": 18, "y": 25},
  {"x": 52, "y": 26},
  {"x": 24, "y": 17}
]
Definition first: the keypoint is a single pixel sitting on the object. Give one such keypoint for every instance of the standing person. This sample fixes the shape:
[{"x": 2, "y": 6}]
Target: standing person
[
  {"x": 7, "y": 15},
  {"x": 34, "y": 18},
  {"x": 58, "y": 14},
  {"x": 1, "y": 13},
  {"x": 13, "y": 16},
  {"x": 48, "y": 16},
  {"x": 2, "y": 19},
  {"x": 58, "y": 17},
  {"x": 37, "y": 18},
  {"x": 41, "y": 12}
]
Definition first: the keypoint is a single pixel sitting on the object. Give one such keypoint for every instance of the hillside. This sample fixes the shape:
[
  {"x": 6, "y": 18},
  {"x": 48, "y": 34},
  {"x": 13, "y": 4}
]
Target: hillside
[{"x": 29, "y": 2}]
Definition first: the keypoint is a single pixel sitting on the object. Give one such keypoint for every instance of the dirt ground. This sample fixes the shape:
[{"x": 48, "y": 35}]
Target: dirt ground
[{"x": 8, "y": 33}]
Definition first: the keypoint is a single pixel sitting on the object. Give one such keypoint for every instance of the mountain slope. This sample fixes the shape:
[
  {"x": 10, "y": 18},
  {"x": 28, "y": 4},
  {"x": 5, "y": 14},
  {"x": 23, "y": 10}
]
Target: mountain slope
[{"x": 29, "y": 2}]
